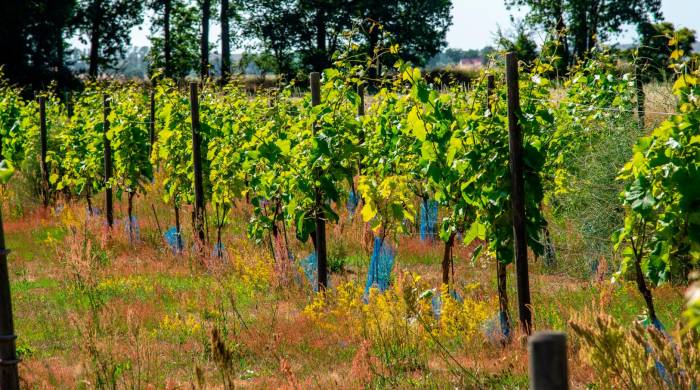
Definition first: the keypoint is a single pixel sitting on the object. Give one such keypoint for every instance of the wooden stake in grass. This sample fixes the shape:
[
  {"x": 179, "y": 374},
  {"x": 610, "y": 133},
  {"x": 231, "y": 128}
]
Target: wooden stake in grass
[
  {"x": 447, "y": 259},
  {"x": 152, "y": 122},
  {"x": 517, "y": 196},
  {"x": 9, "y": 379},
  {"x": 197, "y": 162},
  {"x": 109, "y": 208},
  {"x": 69, "y": 104},
  {"x": 360, "y": 114},
  {"x": 639, "y": 83},
  {"x": 43, "y": 151},
  {"x": 548, "y": 361},
  {"x": 320, "y": 242},
  {"x": 501, "y": 270}
]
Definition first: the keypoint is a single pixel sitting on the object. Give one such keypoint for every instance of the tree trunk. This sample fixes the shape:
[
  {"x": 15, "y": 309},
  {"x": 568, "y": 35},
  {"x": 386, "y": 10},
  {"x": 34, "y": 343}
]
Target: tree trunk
[
  {"x": 204, "y": 43},
  {"x": 373, "y": 41},
  {"x": 167, "y": 49},
  {"x": 60, "y": 51},
  {"x": 321, "y": 38},
  {"x": 313, "y": 240},
  {"x": 275, "y": 233},
  {"x": 579, "y": 29},
  {"x": 130, "y": 212},
  {"x": 361, "y": 136},
  {"x": 88, "y": 198},
  {"x": 219, "y": 247},
  {"x": 504, "y": 317},
  {"x": 644, "y": 290},
  {"x": 447, "y": 259},
  {"x": 592, "y": 26},
  {"x": 561, "y": 36},
  {"x": 178, "y": 229},
  {"x": 94, "y": 50},
  {"x": 225, "y": 42}
]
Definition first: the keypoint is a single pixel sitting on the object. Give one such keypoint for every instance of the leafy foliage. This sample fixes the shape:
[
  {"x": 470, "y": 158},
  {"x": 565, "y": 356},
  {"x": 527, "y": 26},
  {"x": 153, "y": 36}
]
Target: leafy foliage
[
  {"x": 130, "y": 141},
  {"x": 83, "y": 140},
  {"x": 662, "y": 224},
  {"x": 172, "y": 152},
  {"x": 106, "y": 25},
  {"x": 183, "y": 38},
  {"x": 585, "y": 23}
]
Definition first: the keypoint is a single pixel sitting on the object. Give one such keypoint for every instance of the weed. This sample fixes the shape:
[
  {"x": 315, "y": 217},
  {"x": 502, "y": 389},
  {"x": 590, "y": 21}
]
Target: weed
[{"x": 639, "y": 357}]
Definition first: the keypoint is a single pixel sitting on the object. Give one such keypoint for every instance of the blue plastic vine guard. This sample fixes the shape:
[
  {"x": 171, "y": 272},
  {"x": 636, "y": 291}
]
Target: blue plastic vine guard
[
  {"x": 174, "y": 240},
  {"x": 428, "y": 219},
  {"x": 310, "y": 266},
  {"x": 380, "y": 266}
]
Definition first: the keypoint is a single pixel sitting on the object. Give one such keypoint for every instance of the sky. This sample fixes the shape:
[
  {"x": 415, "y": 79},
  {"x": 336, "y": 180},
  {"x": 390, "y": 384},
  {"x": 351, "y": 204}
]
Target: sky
[{"x": 475, "y": 22}]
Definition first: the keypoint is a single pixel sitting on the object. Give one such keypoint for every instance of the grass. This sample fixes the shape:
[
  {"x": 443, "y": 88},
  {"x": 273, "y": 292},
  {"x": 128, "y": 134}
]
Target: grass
[
  {"x": 156, "y": 311},
  {"x": 94, "y": 310}
]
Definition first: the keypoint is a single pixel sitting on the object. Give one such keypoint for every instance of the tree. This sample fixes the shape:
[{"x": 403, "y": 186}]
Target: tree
[
  {"x": 305, "y": 34},
  {"x": 229, "y": 11},
  {"x": 580, "y": 24},
  {"x": 162, "y": 21},
  {"x": 419, "y": 27},
  {"x": 180, "y": 43},
  {"x": 276, "y": 26},
  {"x": 47, "y": 25},
  {"x": 106, "y": 25},
  {"x": 13, "y": 55},
  {"x": 328, "y": 20},
  {"x": 225, "y": 41},
  {"x": 205, "y": 6},
  {"x": 520, "y": 43},
  {"x": 654, "y": 53},
  {"x": 32, "y": 37}
]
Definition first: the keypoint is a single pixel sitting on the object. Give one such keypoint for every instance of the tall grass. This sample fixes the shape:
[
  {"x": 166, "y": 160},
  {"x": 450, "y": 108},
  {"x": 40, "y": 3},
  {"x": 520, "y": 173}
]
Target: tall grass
[{"x": 583, "y": 219}]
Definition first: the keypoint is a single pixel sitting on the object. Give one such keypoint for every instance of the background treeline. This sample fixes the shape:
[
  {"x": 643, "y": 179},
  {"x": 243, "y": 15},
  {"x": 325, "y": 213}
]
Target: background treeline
[
  {"x": 292, "y": 37},
  {"x": 284, "y": 37},
  {"x": 579, "y": 26}
]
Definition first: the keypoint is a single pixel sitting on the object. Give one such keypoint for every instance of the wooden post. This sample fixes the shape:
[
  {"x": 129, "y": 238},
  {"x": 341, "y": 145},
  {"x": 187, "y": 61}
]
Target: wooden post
[
  {"x": 315, "y": 82},
  {"x": 490, "y": 90},
  {"x": 360, "y": 114},
  {"x": 548, "y": 361},
  {"x": 197, "y": 162},
  {"x": 501, "y": 270},
  {"x": 69, "y": 104},
  {"x": 9, "y": 379},
  {"x": 517, "y": 196},
  {"x": 152, "y": 121},
  {"x": 109, "y": 208},
  {"x": 447, "y": 259},
  {"x": 361, "y": 106},
  {"x": 639, "y": 83},
  {"x": 43, "y": 150}
]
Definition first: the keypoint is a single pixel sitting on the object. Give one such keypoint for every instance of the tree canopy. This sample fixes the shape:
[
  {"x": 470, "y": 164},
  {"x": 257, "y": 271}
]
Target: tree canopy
[
  {"x": 655, "y": 53},
  {"x": 303, "y": 35},
  {"x": 582, "y": 23},
  {"x": 32, "y": 37},
  {"x": 177, "y": 55},
  {"x": 106, "y": 26},
  {"x": 293, "y": 37}
]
